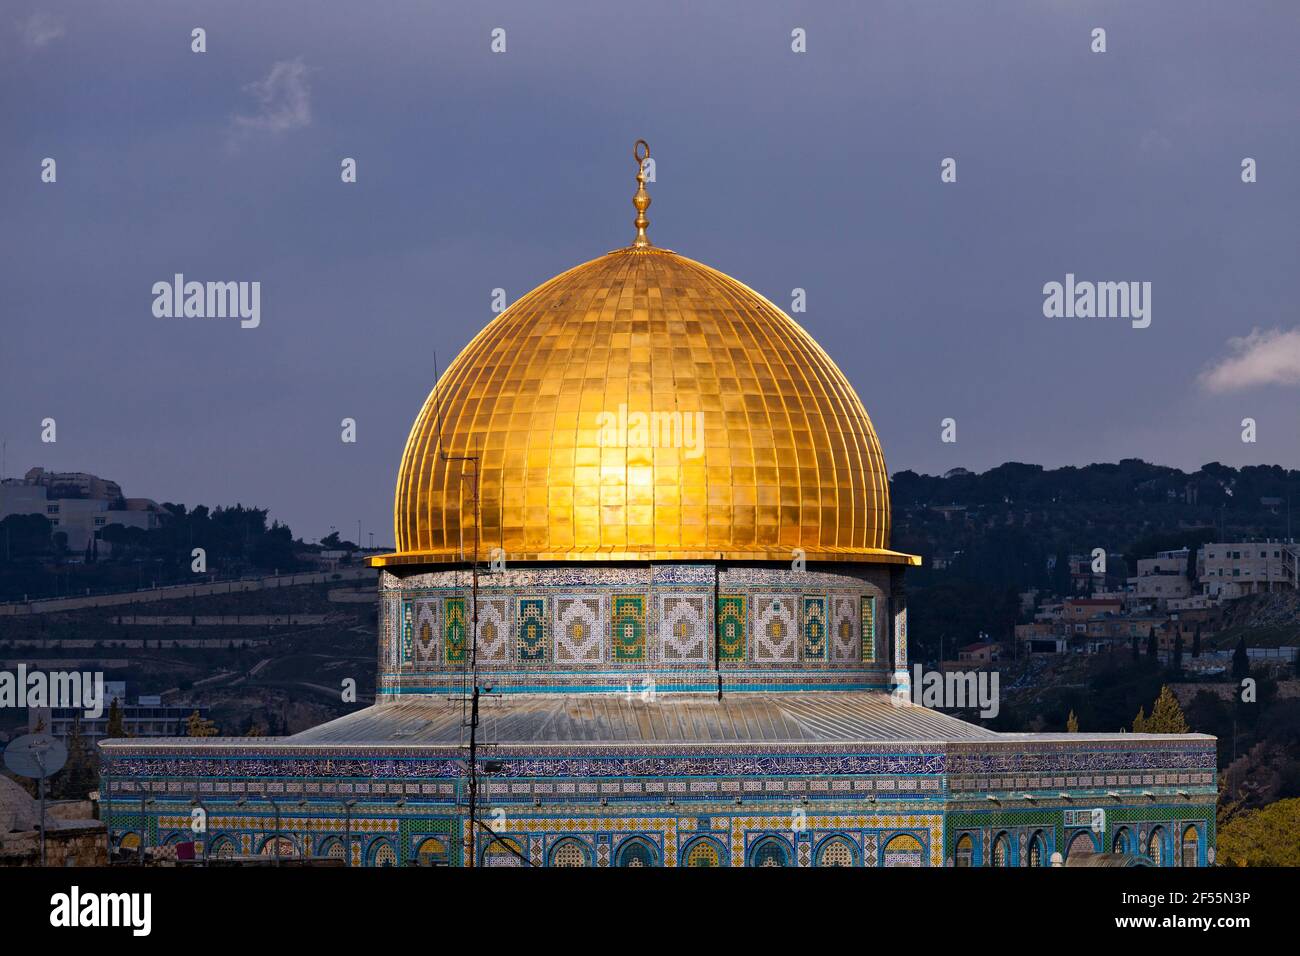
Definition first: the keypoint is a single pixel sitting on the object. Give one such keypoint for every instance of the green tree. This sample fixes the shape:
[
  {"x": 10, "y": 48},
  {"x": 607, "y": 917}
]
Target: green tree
[
  {"x": 1166, "y": 715},
  {"x": 79, "y": 774},
  {"x": 1140, "y": 721},
  {"x": 1178, "y": 652},
  {"x": 1196, "y": 643},
  {"x": 197, "y": 726},
  {"x": 1072, "y": 723},
  {"x": 116, "y": 726},
  {"x": 1265, "y": 837},
  {"x": 1153, "y": 645}
]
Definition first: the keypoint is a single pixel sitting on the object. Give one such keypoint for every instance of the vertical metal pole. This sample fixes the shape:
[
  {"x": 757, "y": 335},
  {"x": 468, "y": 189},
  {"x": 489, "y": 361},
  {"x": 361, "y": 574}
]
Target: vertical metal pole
[
  {"x": 106, "y": 801},
  {"x": 347, "y": 832},
  {"x": 41, "y": 787}
]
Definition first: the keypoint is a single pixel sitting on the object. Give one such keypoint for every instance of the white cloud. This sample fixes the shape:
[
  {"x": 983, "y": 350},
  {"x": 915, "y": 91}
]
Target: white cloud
[
  {"x": 40, "y": 29},
  {"x": 1269, "y": 357},
  {"x": 283, "y": 99}
]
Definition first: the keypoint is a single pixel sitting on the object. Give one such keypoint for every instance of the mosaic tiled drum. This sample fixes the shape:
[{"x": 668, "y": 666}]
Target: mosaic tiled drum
[
  {"x": 674, "y": 627},
  {"x": 689, "y": 633}
]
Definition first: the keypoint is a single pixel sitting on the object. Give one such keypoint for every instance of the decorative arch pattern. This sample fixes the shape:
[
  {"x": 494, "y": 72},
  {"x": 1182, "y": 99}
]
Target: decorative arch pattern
[
  {"x": 381, "y": 853},
  {"x": 703, "y": 851},
  {"x": 1120, "y": 844},
  {"x": 502, "y": 851},
  {"x": 570, "y": 852},
  {"x": 837, "y": 851},
  {"x": 1080, "y": 845},
  {"x": 1156, "y": 846},
  {"x": 432, "y": 851},
  {"x": 903, "y": 850},
  {"x": 331, "y": 848},
  {"x": 1001, "y": 855},
  {"x": 636, "y": 851},
  {"x": 1037, "y": 849},
  {"x": 965, "y": 851},
  {"x": 1190, "y": 847},
  {"x": 770, "y": 851}
]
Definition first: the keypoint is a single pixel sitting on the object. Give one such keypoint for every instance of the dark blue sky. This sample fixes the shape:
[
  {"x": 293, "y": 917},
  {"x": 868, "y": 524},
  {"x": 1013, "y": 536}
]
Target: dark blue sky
[{"x": 479, "y": 170}]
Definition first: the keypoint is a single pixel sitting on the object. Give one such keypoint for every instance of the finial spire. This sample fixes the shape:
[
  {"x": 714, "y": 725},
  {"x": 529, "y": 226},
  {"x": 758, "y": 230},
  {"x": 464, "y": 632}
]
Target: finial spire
[{"x": 641, "y": 152}]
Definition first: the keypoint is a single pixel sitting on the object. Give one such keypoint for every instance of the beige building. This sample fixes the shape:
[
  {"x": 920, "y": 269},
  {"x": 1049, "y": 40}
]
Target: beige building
[
  {"x": 76, "y": 504},
  {"x": 1231, "y": 570},
  {"x": 1161, "y": 579}
]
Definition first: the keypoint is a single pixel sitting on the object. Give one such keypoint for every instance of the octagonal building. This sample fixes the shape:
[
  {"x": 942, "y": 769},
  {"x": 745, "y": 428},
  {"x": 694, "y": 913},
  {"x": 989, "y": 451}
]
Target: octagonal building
[{"x": 643, "y": 612}]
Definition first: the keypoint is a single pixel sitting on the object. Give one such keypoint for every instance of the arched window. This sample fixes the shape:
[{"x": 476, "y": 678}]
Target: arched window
[
  {"x": 703, "y": 852},
  {"x": 1120, "y": 843},
  {"x": 569, "y": 852},
  {"x": 904, "y": 850},
  {"x": 636, "y": 852},
  {"x": 1002, "y": 850},
  {"x": 331, "y": 848},
  {"x": 432, "y": 851},
  {"x": 965, "y": 851},
  {"x": 1037, "y": 849},
  {"x": 501, "y": 851},
  {"x": 770, "y": 851},
  {"x": 1191, "y": 847},
  {"x": 837, "y": 851},
  {"x": 382, "y": 854},
  {"x": 1081, "y": 844},
  {"x": 223, "y": 848},
  {"x": 1156, "y": 846}
]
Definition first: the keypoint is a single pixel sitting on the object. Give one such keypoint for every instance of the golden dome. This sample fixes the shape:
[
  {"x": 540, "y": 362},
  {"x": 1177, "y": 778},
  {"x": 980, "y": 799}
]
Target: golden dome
[{"x": 643, "y": 406}]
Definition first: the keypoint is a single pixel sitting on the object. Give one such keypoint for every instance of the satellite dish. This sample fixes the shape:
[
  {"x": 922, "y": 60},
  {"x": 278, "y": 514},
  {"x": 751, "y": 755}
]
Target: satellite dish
[{"x": 36, "y": 756}]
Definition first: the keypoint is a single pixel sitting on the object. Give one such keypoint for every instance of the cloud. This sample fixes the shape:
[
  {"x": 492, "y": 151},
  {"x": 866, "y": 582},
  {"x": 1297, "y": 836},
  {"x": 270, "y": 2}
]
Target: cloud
[
  {"x": 1261, "y": 358},
  {"x": 40, "y": 30},
  {"x": 283, "y": 99}
]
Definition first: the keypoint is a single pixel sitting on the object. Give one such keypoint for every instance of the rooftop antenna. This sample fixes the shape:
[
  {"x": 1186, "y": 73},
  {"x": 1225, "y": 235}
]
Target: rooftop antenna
[{"x": 474, "y": 690}]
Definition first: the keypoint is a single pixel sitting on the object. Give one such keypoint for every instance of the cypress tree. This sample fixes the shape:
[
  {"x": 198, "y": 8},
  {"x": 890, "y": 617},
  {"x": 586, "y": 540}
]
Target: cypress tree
[
  {"x": 1240, "y": 660},
  {"x": 116, "y": 726},
  {"x": 1140, "y": 721}
]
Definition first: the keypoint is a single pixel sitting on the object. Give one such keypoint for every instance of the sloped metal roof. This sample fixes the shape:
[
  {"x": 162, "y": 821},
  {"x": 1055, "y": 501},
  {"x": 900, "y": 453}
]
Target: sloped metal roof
[{"x": 538, "y": 719}]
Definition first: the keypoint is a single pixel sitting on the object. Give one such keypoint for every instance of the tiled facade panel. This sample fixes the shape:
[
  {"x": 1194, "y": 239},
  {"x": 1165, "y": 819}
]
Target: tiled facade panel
[{"x": 596, "y": 627}]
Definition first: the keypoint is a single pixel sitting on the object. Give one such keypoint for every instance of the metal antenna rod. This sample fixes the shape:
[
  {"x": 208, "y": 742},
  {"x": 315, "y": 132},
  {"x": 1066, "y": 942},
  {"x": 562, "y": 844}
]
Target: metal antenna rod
[{"x": 472, "y": 766}]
